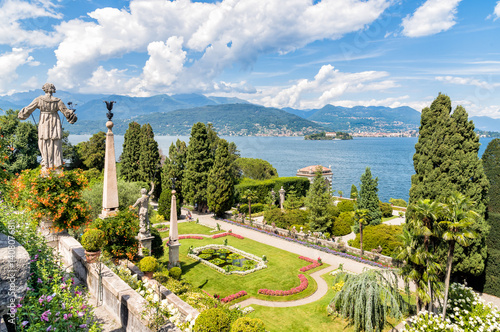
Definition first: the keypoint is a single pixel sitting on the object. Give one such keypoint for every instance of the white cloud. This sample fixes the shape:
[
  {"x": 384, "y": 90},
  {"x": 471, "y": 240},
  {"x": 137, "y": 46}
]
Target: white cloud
[
  {"x": 468, "y": 81},
  {"x": 432, "y": 17},
  {"x": 496, "y": 12},
  {"x": 9, "y": 62},
  {"x": 328, "y": 84},
  {"x": 33, "y": 15},
  {"x": 224, "y": 33}
]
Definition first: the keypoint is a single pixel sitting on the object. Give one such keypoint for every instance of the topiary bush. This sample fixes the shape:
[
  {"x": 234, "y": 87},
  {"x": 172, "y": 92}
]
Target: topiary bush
[
  {"x": 386, "y": 209},
  {"x": 148, "y": 264},
  {"x": 342, "y": 224},
  {"x": 345, "y": 206},
  {"x": 164, "y": 203},
  {"x": 213, "y": 320},
  {"x": 386, "y": 236},
  {"x": 247, "y": 324},
  {"x": 93, "y": 240},
  {"x": 175, "y": 273},
  {"x": 157, "y": 249}
]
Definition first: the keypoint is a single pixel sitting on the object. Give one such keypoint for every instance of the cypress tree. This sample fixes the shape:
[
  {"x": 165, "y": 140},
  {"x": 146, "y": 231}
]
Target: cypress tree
[
  {"x": 368, "y": 197},
  {"x": 149, "y": 158},
  {"x": 317, "y": 201},
  {"x": 354, "y": 192},
  {"x": 220, "y": 190},
  {"x": 173, "y": 168},
  {"x": 446, "y": 160},
  {"x": 198, "y": 163},
  {"x": 129, "y": 159},
  {"x": 491, "y": 162}
]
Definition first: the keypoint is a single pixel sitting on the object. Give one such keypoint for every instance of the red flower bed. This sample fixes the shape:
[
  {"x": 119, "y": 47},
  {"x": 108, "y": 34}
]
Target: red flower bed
[
  {"x": 309, "y": 267},
  {"x": 303, "y": 285},
  {"x": 181, "y": 237},
  {"x": 226, "y": 234},
  {"x": 234, "y": 296}
]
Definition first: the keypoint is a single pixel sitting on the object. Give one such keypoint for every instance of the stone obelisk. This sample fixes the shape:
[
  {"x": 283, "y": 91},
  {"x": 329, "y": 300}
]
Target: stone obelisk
[
  {"x": 110, "y": 190},
  {"x": 173, "y": 238}
]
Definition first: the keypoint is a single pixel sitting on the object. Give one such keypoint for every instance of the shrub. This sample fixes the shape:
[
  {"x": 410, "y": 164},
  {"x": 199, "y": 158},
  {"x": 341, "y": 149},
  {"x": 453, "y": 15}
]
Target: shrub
[
  {"x": 342, "y": 224},
  {"x": 175, "y": 273},
  {"x": 386, "y": 236},
  {"x": 262, "y": 188},
  {"x": 345, "y": 206},
  {"x": 247, "y": 324},
  {"x": 386, "y": 209},
  {"x": 256, "y": 208},
  {"x": 287, "y": 218},
  {"x": 213, "y": 320},
  {"x": 148, "y": 264},
  {"x": 157, "y": 249},
  {"x": 164, "y": 203},
  {"x": 305, "y": 228},
  {"x": 398, "y": 202},
  {"x": 93, "y": 240},
  {"x": 120, "y": 232}
]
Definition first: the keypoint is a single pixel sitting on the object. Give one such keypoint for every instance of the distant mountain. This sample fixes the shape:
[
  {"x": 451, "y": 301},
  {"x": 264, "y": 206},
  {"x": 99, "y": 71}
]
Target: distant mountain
[
  {"x": 302, "y": 113},
  {"x": 486, "y": 123},
  {"x": 227, "y": 119},
  {"x": 361, "y": 118}
]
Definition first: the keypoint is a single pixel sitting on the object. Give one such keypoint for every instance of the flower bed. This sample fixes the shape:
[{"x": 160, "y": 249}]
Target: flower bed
[
  {"x": 310, "y": 245},
  {"x": 303, "y": 285},
  {"x": 234, "y": 296},
  {"x": 314, "y": 264},
  {"x": 182, "y": 237},
  {"x": 216, "y": 236},
  {"x": 260, "y": 262}
]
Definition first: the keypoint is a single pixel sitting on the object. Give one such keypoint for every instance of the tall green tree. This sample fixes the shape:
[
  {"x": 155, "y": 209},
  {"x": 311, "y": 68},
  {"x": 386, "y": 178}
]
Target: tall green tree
[
  {"x": 362, "y": 217},
  {"x": 93, "y": 151},
  {"x": 368, "y": 197},
  {"x": 220, "y": 190},
  {"x": 173, "y": 168},
  {"x": 491, "y": 163},
  {"x": 257, "y": 169},
  {"x": 198, "y": 163},
  {"x": 446, "y": 160},
  {"x": 354, "y": 192},
  {"x": 317, "y": 201},
  {"x": 129, "y": 159},
  {"x": 149, "y": 158}
]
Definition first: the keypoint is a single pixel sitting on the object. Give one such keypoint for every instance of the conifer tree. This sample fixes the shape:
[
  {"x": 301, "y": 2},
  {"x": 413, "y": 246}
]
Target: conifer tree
[
  {"x": 368, "y": 197},
  {"x": 198, "y": 163},
  {"x": 129, "y": 159},
  {"x": 491, "y": 162},
  {"x": 354, "y": 192},
  {"x": 173, "y": 168},
  {"x": 149, "y": 158},
  {"x": 317, "y": 201},
  {"x": 446, "y": 160},
  {"x": 92, "y": 152},
  {"x": 220, "y": 190}
]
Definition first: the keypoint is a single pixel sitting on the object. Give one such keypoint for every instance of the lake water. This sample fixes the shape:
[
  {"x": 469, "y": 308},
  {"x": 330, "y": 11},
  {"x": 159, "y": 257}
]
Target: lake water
[{"x": 389, "y": 158}]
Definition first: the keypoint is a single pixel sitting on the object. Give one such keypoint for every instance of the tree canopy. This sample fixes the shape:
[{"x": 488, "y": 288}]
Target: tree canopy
[
  {"x": 93, "y": 151},
  {"x": 256, "y": 169},
  {"x": 368, "y": 197},
  {"x": 129, "y": 159}
]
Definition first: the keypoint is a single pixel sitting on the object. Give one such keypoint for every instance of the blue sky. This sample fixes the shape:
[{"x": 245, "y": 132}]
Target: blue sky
[{"x": 281, "y": 53}]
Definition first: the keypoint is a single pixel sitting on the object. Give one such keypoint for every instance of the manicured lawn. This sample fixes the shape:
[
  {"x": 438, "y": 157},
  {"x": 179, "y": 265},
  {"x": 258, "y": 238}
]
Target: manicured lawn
[
  {"x": 389, "y": 218},
  {"x": 281, "y": 274},
  {"x": 194, "y": 228}
]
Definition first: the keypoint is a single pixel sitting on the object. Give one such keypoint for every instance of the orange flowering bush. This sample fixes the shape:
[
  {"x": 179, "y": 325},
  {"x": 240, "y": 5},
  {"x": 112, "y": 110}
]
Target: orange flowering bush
[{"x": 56, "y": 196}]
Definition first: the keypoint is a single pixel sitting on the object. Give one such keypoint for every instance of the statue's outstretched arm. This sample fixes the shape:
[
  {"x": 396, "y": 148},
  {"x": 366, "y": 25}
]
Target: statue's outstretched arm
[
  {"x": 152, "y": 188},
  {"x": 26, "y": 111},
  {"x": 69, "y": 114}
]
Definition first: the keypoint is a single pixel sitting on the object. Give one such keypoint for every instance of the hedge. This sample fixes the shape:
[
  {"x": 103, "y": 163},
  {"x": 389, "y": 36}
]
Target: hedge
[
  {"x": 387, "y": 236},
  {"x": 256, "y": 208},
  {"x": 386, "y": 209},
  {"x": 287, "y": 218},
  {"x": 262, "y": 188},
  {"x": 342, "y": 224}
]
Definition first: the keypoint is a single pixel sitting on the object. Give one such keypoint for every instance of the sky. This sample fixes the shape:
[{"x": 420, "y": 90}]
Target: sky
[{"x": 302, "y": 54}]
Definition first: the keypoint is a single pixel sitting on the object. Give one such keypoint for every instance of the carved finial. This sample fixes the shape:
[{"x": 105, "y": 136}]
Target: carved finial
[{"x": 109, "y": 106}]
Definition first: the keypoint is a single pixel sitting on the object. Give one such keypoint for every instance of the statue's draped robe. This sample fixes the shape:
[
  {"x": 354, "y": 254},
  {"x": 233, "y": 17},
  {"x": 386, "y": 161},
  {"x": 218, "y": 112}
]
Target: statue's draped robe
[{"x": 49, "y": 128}]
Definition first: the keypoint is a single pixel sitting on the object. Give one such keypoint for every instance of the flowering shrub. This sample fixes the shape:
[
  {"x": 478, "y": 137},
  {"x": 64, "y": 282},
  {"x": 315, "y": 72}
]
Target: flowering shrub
[
  {"x": 466, "y": 311},
  {"x": 195, "y": 237},
  {"x": 314, "y": 264},
  {"x": 234, "y": 296},
  {"x": 303, "y": 285},
  {"x": 216, "y": 236},
  {"x": 57, "y": 197}
]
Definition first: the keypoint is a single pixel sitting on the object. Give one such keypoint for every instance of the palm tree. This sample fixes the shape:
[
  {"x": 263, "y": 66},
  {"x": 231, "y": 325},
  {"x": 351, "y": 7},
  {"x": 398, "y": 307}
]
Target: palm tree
[
  {"x": 459, "y": 218},
  {"x": 249, "y": 195},
  {"x": 362, "y": 216}
]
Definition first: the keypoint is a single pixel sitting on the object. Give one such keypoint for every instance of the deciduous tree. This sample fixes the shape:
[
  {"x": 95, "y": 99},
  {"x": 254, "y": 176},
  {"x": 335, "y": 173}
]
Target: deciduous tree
[{"x": 92, "y": 152}]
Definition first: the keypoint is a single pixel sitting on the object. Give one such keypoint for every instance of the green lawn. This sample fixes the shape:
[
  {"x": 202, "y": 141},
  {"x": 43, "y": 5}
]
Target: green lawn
[
  {"x": 389, "y": 218},
  {"x": 281, "y": 274}
]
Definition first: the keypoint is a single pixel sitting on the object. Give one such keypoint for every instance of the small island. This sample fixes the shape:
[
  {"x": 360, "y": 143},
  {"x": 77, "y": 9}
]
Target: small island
[{"x": 328, "y": 136}]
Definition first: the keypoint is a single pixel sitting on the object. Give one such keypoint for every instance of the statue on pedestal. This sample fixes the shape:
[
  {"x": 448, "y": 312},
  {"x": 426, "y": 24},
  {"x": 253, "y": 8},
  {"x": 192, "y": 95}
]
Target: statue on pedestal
[
  {"x": 49, "y": 125},
  {"x": 143, "y": 203}
]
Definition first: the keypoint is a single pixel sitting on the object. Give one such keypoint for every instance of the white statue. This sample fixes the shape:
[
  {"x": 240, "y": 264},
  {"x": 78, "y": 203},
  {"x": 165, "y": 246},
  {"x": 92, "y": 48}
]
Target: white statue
[
  {"x": 143, "y": 203},
  {"x": 49, "y": 126}
]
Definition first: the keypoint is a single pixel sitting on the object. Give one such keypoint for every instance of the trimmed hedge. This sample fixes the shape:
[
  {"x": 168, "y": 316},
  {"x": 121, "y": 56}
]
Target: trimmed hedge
[
  {"x": 262, "y": 188},
  {"x": 387, "y": 236},
  {"x": 342, "y": 224},
  {"x": 247, "y": 324},
  {"x": 213, "y": 320},
  {"x": 256, "y": 208},
  {"x": 287, "y": 218}
]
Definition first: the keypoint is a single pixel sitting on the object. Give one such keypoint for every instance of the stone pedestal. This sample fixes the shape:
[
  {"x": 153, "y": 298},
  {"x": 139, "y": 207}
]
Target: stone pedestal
[
  {"x": 173, "y": 238},
  {"x": 46, "y": 228},
  {"x": 173, "y": 254},
  {"x": 110, "y": 189},
  {"x": 145, "y": 241}
]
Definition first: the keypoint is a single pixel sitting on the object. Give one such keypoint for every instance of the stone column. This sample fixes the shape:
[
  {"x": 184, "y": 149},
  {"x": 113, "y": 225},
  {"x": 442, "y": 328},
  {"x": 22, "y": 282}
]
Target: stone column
[
  {"x": 282, "y": 197},
  {"x": 110, "y": 189},
  {"x": 173, "y": 237}
]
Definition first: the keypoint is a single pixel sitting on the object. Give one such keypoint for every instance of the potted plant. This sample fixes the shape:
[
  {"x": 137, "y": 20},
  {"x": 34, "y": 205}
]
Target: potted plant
[
  {"x": 148, "y": 265},
  {"x": 92, "y": 241}
]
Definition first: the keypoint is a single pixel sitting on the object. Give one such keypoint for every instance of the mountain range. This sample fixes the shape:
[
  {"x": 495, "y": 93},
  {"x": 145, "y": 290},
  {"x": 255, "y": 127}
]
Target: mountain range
[{"x": 175, "y": 115}]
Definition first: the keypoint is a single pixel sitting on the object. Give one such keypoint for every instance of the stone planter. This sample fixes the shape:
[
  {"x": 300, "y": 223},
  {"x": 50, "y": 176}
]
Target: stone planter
[{"x": 92, "y": 256}]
